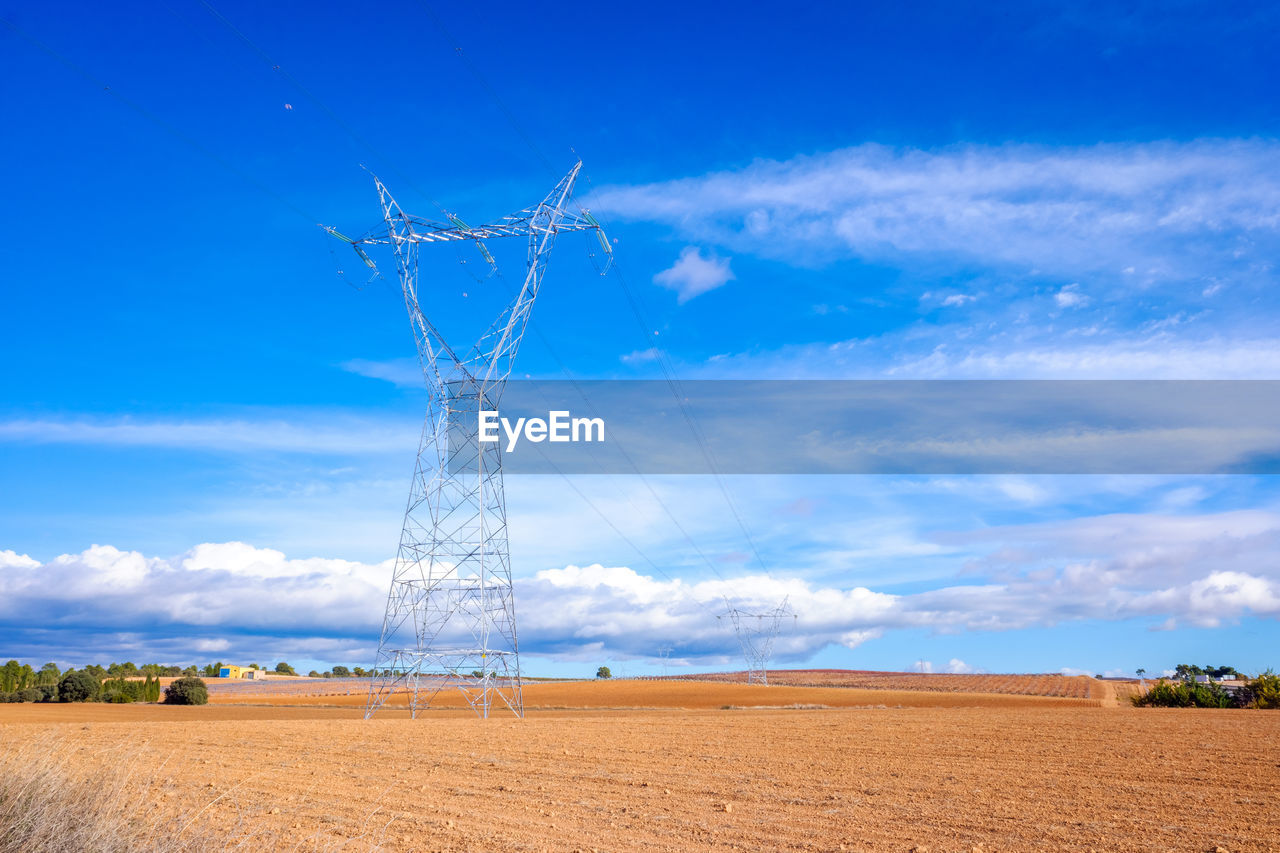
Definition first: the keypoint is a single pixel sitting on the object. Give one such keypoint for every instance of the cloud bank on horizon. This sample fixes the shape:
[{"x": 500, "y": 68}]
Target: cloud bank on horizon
[{"x": 236, "y": 599}]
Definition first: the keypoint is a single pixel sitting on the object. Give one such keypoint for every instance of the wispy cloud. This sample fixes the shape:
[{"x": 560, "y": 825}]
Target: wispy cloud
[
  {"x": 1165, "y": 209},
  {"x": 693, "y": 275},
  {"x": 949, "y": 353},
  {"x": 640, "y": 356},
  {"x": 404, "y": 372},
  {"x": 296, "y": 432}
]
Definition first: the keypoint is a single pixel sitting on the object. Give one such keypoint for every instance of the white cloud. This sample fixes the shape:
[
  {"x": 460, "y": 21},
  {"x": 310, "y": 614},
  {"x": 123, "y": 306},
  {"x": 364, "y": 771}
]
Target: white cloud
[
  {"x": 293, "y": 432},
  {"x": 640, "y": 356},
  {"x": 955, "y": 666},
  {"x": 10, "y": 559},
  {"x": 944, "y": 353},
  {"x": 404, "y": 372},
  {"x": 1070, "y": 297},
  {"x": 693, "y": 275},
  {"x": 956, "y": 300},
  {"x": 1164, "y": 208},
  {"x": 234, "y": 598}
]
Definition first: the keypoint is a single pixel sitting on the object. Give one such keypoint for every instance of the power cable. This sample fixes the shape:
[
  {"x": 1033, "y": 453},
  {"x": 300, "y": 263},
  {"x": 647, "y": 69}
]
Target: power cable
[
  {"x": 663, "y": 359},
  {"x": 315, "y": 99},
  {"x": 156, "y": 120}
]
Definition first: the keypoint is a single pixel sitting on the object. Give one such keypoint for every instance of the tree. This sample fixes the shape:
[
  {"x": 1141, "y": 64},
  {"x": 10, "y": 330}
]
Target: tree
[
  {"x": 191, "y": 671},
  {"x": 1187, "y": 671},
  {"x": 78, "y": 686},
  {"x": 48, "y": 675},
  {"x": 187, "y": 691},
  {"x": 1141, "y": 672},
  {"x": 9, "y": 676},
  {"x": 284, "y": 669},
  {"x": 212, "y": 670},
  {"x": 604, "y": 672},
  {"x": 313, "y": 674},
  {"x": 341, "y": 672}
]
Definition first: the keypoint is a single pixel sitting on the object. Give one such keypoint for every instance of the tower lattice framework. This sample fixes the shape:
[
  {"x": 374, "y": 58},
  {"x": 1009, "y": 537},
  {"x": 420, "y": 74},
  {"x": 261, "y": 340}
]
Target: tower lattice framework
[
  {"x": 756, "y": 633},
  {"x": 450, "y": 618}
]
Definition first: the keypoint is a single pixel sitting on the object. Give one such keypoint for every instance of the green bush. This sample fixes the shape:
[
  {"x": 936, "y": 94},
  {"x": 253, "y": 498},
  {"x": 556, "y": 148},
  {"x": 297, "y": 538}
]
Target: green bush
[
  {"x": 117, "y": 697},
  {"x": 9, "y": 697},
  {"x": 48, "y": 692},
  {"x": 78, "y": 686},
  {"x": 1265, "y": 690},
  {"x": 187, "y": 691},
  {"x": 31, "y": 694},
  {"x": 1184, "y": 694}
]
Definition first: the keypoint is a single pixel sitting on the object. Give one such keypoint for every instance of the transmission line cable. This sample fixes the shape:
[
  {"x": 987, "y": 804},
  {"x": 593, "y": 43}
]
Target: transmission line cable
[
  {"x": 315, "y": 99},
  {"x": 156, "y": 120},
  {"x": 663, "y": 359}
]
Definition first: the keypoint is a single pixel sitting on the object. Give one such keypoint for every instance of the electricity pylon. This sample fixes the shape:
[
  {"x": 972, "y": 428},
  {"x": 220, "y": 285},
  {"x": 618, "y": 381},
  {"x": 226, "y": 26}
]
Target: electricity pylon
[
  {"x": 450, "y": 616},
  {"x": 756, "y": 632}
]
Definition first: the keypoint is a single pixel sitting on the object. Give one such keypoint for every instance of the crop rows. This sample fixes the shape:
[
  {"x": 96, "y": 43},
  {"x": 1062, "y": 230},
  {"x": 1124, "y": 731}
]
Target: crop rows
[{"x": 1066, "y": 686}]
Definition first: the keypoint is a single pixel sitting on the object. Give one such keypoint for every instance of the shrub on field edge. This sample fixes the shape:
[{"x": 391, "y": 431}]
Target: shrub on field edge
[
  {"x": 187, "y": 691},
  {"x": 78, "y": 686},
  {"x": 1184, "y": 694},
  {"x": 1265, "y": 690}
]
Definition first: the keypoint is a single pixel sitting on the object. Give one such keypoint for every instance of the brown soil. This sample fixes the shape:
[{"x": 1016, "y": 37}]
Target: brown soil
[
  {"x": 1070, "y": 686},
  {"x": 1021, "y": 774},
  {"x": 680, "y": 694}
]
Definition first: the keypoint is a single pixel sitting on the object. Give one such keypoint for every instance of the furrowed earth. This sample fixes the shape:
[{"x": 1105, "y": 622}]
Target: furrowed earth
[{"x": 671, "y": 765}]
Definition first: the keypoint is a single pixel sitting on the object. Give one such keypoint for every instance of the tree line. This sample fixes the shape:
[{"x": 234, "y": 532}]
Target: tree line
[
  {"x": 1184, "y": 691},
  {"x": 117, "y": 683}
]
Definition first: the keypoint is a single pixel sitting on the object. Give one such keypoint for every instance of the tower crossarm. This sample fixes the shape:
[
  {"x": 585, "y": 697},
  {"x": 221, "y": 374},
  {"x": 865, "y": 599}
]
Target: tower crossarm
[
  {"x": 417, "y": 230},
  {"x": 489, "y": 361}
]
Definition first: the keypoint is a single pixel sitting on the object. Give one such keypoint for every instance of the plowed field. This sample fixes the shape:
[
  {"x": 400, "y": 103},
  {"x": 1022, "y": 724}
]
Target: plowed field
[
  {"x": 1021, "y": 773},
  {"x": 1071, "y": 686}
]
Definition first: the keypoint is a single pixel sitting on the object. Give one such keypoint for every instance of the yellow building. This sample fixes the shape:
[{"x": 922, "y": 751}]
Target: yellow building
[{"x": 231, "y": 672}]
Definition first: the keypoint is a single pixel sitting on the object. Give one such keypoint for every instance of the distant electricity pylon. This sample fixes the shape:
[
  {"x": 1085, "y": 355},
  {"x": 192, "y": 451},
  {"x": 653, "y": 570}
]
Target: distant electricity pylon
[
  {"x": 756, "y": 632},
  {"x": 450, "y": 617},
  {"x": 664, "y": 654}
]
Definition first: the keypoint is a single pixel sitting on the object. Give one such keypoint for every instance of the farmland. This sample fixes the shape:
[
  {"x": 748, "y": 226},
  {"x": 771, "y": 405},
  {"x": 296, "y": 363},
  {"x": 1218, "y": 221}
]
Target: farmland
[
  {"x": 1066, "y": 686},
  {"x": 672, "y": 766}
]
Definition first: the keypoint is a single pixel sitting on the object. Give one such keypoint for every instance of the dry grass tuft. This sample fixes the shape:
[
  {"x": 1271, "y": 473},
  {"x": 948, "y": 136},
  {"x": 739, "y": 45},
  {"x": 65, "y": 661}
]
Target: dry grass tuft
[
  {"x": 48, "y": 805},
  {"x": 51, "y": 802}
]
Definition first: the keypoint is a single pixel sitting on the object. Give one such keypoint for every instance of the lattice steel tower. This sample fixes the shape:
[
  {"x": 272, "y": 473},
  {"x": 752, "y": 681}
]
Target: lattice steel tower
[
  {"x": 450, "y": 617},
  {"x": 756, "y": 632}
]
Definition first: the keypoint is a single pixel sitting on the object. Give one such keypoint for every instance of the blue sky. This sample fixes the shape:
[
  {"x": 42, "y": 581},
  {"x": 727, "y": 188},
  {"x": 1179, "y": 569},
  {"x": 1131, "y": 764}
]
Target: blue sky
[{"x": 205, "y": 435}]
